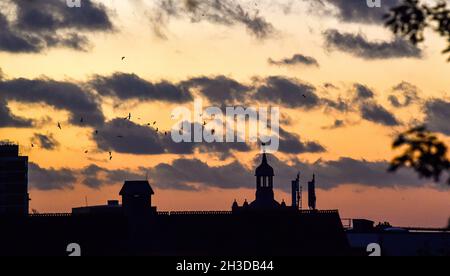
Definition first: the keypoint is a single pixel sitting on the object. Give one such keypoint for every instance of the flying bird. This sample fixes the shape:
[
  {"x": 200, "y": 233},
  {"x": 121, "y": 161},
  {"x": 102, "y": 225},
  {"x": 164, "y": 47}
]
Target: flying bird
[
  {"x": 123, "y": 58},
  {"x": 59, "y": 126}
]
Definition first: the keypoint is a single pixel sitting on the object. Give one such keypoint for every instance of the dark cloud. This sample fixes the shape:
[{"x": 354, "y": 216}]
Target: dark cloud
[
  {"x": 47, "y": 142},
  {"x": 10, "y": 41},
  {"x": 437, "y": 115},
  {"x": 404, "y": 94},
  {"x": 51, "y": 179},
  {"x": 363, "y": 93},
  {"x": 357, "y": 10},
  {"x": 359, "y": 46},
  {"x": 378, "y": 114},
  {"x": 227, "y": 13},
  {"x": 276, "y": 90},
  {"x": 123, "y": 136},
  {"x": 370, "y": 110},
  {"x": 288, "y": 92},
  {"x": 95, "y": 177},
  {"x": 329, "y": 85},
  {"x": 341, "y": 105},
  {"x": 291, "y": 143},
  {"x": 60, "y": 95},
  {"x": 130, "y": 86},
  {"x": 334, "y": 173},
  {"x": 84, "y": 100},
  {"x": 7, "y": 119},
  {"x": 337, "y": 124},
  {"x": 219, "y": 90},
  {"x": 39, "y": 25},
  {"x": 193, "y": 174},
  {"x": 297, "y": 59},
  {"x": 53, "y": 15}
]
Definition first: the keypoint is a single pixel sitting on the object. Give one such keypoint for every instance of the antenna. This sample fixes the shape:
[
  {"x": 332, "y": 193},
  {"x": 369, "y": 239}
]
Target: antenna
[
  {"x": 296, "y": 193},
  {"x": 300, "y": 198},
  {"x": 312, "y": 193}
]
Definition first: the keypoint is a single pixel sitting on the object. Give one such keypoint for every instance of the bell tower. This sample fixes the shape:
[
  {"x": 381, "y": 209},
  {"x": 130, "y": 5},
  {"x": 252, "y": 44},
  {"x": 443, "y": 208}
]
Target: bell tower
[{"x": 265, "y": 197}]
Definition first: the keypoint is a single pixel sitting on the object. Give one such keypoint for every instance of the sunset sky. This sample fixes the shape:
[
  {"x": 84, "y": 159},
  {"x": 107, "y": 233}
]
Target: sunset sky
[{"x": 362, "y": 86}]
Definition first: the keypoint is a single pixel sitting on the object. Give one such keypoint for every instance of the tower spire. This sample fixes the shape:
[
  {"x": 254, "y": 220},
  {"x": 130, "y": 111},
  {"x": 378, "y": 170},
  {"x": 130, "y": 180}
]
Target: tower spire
[{"x": 264, "y": 158}]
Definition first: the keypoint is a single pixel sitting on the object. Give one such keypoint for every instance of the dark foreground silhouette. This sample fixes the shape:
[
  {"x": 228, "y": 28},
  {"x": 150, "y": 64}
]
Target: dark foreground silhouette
[{"x": 263, "y": 227}]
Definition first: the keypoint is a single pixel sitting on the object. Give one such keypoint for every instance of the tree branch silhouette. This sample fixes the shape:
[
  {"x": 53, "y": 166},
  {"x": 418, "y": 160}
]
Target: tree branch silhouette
[
  {"x": 424, "y": 153},
  {"x": 412, "y": 18}
]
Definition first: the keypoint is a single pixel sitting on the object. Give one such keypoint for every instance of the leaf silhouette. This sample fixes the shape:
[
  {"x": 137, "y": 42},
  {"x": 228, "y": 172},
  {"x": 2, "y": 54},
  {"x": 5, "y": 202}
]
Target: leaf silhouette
[
  {"x": 411, "y": 18},
  {"x": 423, "y": 152}
]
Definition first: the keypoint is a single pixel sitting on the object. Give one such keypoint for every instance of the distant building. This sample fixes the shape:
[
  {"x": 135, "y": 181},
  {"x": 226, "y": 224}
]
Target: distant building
[
  {"x": 113, "y": 207},
  {"x": 137, "y": 197},
  {"x": 136, "y": 201},
  {"x": 14, "y": 198}
]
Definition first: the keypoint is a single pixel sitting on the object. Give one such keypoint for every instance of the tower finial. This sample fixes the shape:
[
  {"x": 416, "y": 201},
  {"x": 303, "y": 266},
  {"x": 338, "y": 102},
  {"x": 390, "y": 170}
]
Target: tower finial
[{"x": 263, "y": 145}]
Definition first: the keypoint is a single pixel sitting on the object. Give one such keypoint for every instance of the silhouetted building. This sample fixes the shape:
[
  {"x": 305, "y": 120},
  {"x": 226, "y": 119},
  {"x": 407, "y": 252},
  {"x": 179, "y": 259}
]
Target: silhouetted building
[
  {"x": 137, "y": 197},
  {"x": 261, "y": 228},
  {"x": 14, "y": 198},
  {"x": 113, "y": 207},
  {"x": 136, "y": 201},
  {"x": 265, "y": 198}
]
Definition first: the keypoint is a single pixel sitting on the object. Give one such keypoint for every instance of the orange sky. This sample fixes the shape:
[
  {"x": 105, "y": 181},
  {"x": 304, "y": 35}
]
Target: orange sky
[{"x": 207, "y": 49}]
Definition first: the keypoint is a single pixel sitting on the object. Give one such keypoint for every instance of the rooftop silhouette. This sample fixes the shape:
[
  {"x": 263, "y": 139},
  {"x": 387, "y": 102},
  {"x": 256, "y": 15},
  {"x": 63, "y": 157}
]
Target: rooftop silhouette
[{"x": 136, "y": 227}]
